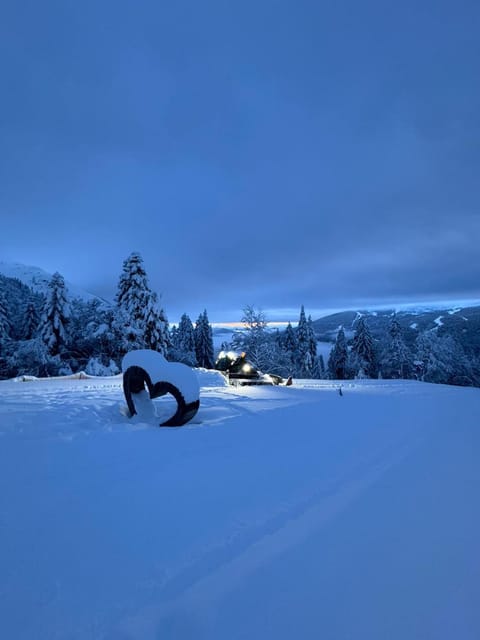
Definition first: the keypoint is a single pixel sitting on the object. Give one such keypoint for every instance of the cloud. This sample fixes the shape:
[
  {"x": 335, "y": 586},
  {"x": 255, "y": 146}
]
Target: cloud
[{"x": 316, "y": 154}]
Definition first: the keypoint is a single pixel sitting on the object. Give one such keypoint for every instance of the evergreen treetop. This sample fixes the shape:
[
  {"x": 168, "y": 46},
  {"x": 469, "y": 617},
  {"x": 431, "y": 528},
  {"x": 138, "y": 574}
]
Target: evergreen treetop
[
  {"x": 204, "y": 342},
  {"x": 5, "y": 324},
  {"x": 337, "y": 361},
  {"x": 55, "y": 316},
  {"x": 363, "y": 353}
]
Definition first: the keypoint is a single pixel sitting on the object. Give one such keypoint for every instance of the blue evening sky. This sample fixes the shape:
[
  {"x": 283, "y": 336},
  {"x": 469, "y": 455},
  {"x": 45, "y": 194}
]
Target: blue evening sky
[{"x": 270, "y": 153}]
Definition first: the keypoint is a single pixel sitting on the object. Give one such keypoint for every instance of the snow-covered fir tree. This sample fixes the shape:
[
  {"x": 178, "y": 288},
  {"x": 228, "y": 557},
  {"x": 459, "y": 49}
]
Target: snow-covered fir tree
[
  {"x": 30, "y": 323},
  {"x": 133, "y": 289},
  {"x": 204, "y": 342},
  {"x": 184, "y": 342},
  {"x": 85, "y": 317},
  {"x": 53, "y": 328},
  {"x": 186, "y": 337},
  {"x": 129, "y": 334},
  {"x": 442, "y": 359},
  {"x": 108, "y": 333},
  {"x": 174, "y": 335},
  {"x": 92, "y": 335},
  {"x": 166, "y": 330},
  {"x": 281, "y": 359},
  {"x": 288, "y": 345},
  {"x": 314, "y": 363},
  {"x": 156, "y": 326},
  {"x": 319, "y": 372},
  {"x": 363, "y": 355},
  {"x": 17, "y": 297},
  {"x": 5, "y": 323},
  {"x": 138, "y": 321},
  {"x": 337, "y": 361},
  {"x": 290, "y": 339},
  {"x": 395, "y": 358},
  {"x": 304, "y": 360},
  {"x": 312, "y": 338},
  {"x": 133, "y": 301}
]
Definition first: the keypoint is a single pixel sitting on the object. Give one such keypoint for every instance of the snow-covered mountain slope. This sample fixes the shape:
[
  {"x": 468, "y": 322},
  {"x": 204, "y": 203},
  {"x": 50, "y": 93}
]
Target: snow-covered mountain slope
[
  {"x": 461, "y": 322},
  {"x": 278, "y": 513},
  {"x": 38, "y": 279}
]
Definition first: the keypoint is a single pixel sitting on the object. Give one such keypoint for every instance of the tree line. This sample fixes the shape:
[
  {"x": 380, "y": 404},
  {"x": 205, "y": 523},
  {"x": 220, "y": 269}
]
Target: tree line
[
  {"x": 47, "y": 335},
  {"x": 434, "y": 357},
  {"x": 292, "y": 352}
]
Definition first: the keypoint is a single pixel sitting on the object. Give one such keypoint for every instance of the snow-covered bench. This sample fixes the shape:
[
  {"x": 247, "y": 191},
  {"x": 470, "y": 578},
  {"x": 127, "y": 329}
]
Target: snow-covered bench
[{"x": 150, "y": 368}]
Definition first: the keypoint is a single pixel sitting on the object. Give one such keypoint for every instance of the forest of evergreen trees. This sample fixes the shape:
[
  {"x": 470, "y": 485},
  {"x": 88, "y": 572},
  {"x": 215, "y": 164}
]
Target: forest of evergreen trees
[
  {"x": 433, "y": 357},
  {"x": 54, "y": 335}
]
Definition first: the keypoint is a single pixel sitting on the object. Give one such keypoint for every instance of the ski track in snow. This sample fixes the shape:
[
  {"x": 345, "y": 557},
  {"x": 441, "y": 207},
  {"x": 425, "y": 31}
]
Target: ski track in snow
[{"x": 193, "y": 589}]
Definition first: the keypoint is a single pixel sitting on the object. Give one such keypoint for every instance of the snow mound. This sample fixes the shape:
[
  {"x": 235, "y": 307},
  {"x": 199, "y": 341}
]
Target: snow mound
[{"x": 211, "y": 378}]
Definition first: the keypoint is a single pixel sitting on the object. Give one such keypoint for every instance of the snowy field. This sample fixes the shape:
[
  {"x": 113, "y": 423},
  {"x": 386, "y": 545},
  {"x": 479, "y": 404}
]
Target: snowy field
[{"x": 278, "y": 513}]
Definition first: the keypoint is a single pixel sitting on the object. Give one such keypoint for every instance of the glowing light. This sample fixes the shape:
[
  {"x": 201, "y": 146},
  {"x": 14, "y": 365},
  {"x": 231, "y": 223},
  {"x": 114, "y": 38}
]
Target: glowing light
[{"x": 246, "y": 368}]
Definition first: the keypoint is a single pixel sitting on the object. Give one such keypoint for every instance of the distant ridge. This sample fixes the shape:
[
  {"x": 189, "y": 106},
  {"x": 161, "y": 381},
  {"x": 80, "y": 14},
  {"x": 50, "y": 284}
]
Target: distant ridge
[
  {"x": 38, "y": 280},
  {"x": 463, "y": 322}
]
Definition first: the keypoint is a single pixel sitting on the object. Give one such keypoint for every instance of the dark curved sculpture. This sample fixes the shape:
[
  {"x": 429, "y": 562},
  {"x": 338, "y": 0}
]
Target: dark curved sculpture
[{"x": 136, "y": 378}]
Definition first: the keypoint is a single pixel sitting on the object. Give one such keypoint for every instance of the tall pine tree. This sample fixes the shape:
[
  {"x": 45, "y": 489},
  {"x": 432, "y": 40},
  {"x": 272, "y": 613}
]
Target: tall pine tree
[
  {"x": 5, "y": 324},
  {"x": 186, "y": 334},
  {"x": 337, "y": 361},
  {"x": 133, "y": 291},
  {"x": 30, "y": 323},
  {"x": 312, "y": 339},
  {"x": 290, "y": 340},
  {"x": 363, "y": 355},
  {"x": 395, "y": 359},
  {"x": 183, "y": 342},
  {"x": 303, "y": 345},
  {"x": 204, "y": 342},
  {"x": 139, "y": 321},
  {"x": 156, "y": 325},
  {"x": 55, "y": 317}
]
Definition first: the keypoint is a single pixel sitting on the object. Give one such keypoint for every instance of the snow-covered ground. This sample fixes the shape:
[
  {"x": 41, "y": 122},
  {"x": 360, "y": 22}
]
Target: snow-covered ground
[{"x": 278, "y": 513}]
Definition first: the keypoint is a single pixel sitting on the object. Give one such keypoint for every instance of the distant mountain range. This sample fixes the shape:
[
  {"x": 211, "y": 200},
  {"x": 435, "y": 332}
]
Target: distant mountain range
[
  {"x": 38, "y": 279},
  {"x": 462, "y": 322}
]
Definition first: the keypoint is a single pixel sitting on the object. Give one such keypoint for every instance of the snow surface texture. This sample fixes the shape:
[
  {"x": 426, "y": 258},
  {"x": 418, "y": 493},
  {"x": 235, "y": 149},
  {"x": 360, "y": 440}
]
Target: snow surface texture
[
  {"x": 160, "y": 370},
  {"x": 277, "y": 513}
]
